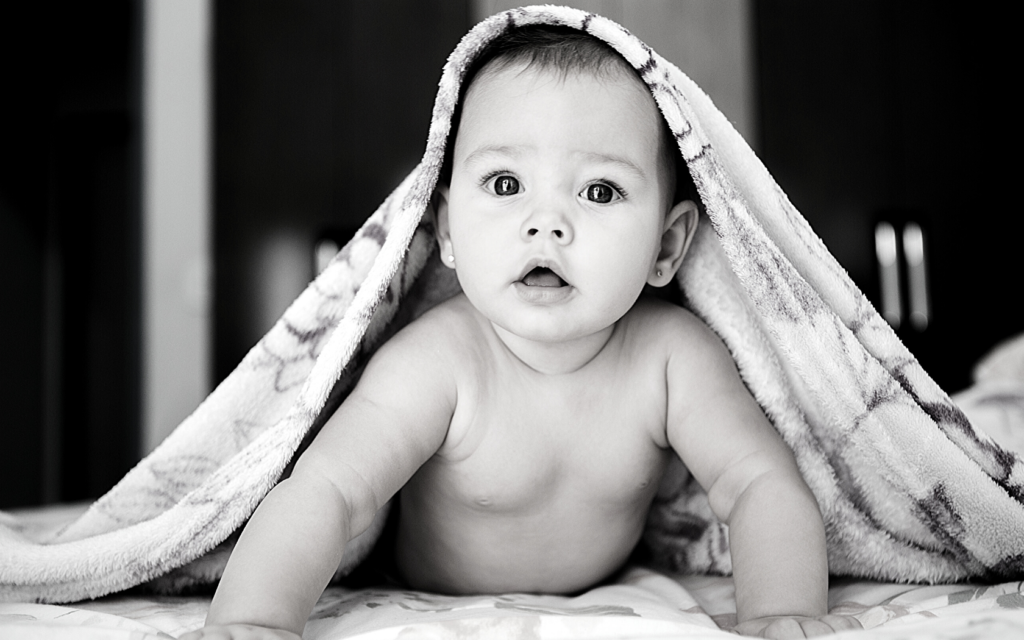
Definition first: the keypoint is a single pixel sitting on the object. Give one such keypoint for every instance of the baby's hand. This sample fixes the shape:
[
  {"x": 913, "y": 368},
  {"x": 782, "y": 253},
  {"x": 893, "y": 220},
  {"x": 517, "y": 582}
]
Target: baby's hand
[
  {"x": 784, "y": 627},
  {"x": 239, "y": 632}
]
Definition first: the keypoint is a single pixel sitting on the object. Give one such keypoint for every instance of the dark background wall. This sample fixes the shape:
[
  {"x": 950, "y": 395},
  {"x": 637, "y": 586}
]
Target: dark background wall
[
  {"x": 68, "y": 250},
  {"x": 894, "y": 111},
  {"x": 322, "y": 107}
]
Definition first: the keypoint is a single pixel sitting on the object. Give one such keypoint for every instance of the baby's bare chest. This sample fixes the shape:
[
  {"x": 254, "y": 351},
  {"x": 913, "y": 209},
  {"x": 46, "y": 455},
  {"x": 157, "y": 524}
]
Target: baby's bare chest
[{"x": 520, "y": 447}]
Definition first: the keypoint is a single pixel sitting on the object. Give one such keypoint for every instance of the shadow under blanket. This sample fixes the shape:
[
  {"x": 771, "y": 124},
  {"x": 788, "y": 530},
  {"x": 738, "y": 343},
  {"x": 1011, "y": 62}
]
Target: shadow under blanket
[{"x": 907, "y": 488}]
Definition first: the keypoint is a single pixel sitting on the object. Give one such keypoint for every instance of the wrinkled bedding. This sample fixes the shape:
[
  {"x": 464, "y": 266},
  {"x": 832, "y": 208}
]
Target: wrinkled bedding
[{"x": 639, "y": 604}]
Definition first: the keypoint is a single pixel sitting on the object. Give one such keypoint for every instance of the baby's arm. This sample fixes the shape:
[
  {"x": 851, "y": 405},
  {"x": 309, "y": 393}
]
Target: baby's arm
[
  {"x": 776, "y": 534},
  {"x": 393, "y": 421}
]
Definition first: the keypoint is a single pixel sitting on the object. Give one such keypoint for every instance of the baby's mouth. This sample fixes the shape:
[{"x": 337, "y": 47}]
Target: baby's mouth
[{"x": 543, "y": 277}]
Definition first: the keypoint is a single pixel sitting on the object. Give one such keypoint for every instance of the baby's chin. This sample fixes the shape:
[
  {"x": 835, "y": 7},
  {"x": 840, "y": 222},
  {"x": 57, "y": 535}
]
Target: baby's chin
[
  {"x": 552, "y": 331},
  {"x": 560, "y": 322}
]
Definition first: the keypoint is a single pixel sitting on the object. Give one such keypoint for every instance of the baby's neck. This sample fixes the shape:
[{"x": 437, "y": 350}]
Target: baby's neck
[{"x": 555, "y": 358}]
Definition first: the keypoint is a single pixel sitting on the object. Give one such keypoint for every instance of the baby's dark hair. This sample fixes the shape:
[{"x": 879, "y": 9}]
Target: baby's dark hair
[
  {"x": 548, "y": 47},
  {"x": 566, "y": 50}
]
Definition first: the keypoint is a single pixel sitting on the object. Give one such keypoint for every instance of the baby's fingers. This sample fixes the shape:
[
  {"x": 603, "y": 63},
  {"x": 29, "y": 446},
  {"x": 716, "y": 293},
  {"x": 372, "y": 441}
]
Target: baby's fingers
[
  {"x": 786, "y": 627},
  {"x": 809, "y": 627},
  {"x": 238, "y": 632},
  {"x": 842, "y": 623}
]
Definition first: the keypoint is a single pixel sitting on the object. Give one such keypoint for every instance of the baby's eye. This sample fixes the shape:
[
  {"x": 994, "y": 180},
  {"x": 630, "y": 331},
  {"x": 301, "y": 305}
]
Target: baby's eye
[
  {"x": 601, "y": 193},
  {"x": 505, "y": 186}
]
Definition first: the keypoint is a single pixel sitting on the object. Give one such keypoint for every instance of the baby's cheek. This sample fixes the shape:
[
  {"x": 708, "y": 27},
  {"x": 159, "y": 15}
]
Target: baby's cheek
[{"x": 628, "y": 274}]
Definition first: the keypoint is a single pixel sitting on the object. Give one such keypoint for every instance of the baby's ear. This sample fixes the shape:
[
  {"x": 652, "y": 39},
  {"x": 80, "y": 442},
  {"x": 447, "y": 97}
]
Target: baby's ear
[
  {"x": 680, "y": 226},
  {"x": 439, "y": 203}
]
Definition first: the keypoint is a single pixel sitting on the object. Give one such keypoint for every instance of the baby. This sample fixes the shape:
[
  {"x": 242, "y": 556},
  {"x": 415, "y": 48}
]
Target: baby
[{"x": 528, "y": 420}]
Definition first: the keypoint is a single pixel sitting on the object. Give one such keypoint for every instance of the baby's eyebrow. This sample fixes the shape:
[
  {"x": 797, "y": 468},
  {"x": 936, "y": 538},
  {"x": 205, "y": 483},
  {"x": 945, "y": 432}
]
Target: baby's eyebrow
[
  {"x": 516, "y": 152},
  {"x": 605, "y": 158},
  {"x": 508, "y": 151}
]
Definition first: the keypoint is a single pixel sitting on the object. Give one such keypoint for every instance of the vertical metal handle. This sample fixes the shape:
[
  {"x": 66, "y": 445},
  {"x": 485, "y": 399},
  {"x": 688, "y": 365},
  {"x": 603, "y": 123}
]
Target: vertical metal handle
[
  {"x": 889, "y": 273},
  {"x": 917, "y": 279},
  {"x": 889, "y": 249}
]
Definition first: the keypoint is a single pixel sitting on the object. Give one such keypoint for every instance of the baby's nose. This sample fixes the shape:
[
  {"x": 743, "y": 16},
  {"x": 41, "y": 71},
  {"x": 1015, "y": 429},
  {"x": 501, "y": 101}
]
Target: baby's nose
[
  {"x": 548, "y": 224},
  {"x": 555, "y": 231}
]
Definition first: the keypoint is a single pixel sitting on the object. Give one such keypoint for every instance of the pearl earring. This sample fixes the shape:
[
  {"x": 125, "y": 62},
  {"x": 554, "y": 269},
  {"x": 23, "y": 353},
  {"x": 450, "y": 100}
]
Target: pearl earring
[
  {"x": 451, "y": 258},
  {"x": 659, "y": 273}
]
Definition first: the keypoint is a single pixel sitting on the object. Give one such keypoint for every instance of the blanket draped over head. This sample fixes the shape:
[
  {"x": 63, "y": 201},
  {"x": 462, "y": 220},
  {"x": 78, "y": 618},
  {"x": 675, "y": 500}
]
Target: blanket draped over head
[{"x": 907, "y": 488}]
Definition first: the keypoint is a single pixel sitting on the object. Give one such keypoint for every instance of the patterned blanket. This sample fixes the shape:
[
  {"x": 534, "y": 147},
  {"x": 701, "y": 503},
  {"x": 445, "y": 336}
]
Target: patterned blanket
[{"x": 908, "y": 489}]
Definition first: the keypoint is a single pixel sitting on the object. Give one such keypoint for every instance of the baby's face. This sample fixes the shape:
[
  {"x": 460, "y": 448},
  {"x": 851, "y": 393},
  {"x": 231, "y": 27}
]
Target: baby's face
[{"x": 557, "y": 201}]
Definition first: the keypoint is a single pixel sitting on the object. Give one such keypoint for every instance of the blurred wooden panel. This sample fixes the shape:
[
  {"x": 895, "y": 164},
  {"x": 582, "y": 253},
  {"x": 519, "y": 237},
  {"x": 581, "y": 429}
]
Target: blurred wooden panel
[{"x": 321, "y": 108}]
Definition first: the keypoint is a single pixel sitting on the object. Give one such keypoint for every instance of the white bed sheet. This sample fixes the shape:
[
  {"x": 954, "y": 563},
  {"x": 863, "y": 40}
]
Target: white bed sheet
[{"x": 642, "y": 604}]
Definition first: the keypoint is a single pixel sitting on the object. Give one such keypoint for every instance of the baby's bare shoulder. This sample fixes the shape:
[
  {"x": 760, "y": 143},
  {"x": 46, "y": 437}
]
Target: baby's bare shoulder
[
  {"x": 442, "y": 335},
  {"x": 671, "y": 326},
  {"x": 450, "y": 321},
  {"x": 693, "y": 353}
]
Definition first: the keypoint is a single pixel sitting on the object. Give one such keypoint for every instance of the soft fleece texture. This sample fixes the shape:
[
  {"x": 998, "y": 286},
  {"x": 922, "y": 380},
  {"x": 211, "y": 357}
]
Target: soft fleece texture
[{"x": 908, "y": 489}]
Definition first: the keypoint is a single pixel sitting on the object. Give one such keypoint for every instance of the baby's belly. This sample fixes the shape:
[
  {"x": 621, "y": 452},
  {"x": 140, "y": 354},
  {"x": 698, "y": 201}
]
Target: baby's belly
[{"x": 559, "y": 542}]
